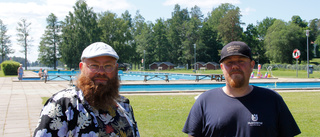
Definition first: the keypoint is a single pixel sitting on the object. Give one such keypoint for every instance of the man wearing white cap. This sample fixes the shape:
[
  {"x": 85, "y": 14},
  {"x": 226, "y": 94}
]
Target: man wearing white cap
[{"x": 94, "y": 107}]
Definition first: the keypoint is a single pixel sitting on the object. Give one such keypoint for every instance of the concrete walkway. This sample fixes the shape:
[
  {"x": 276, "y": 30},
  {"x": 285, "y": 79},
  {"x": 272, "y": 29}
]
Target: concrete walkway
[{"x": 21, "y": 103}]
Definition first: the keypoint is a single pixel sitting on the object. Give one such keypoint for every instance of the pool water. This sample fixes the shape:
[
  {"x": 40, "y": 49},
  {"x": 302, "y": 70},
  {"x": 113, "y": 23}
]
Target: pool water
[
  {"x": 204, "y": 87},
  {"x": 131, "y": 76}
]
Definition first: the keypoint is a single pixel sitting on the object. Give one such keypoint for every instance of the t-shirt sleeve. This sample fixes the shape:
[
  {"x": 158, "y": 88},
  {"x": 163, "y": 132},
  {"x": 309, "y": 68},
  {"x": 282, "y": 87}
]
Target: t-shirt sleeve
[
  {"x": 194, "y": 122},
  {"x": 287, "y": 124}
]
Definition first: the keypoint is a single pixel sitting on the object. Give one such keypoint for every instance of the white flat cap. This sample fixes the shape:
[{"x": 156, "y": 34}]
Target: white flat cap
[{"x": 98, "y": 49}]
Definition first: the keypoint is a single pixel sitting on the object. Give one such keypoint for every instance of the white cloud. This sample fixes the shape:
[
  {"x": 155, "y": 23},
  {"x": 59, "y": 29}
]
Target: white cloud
[
  {"x": 36, "y": 13},
  {"x": 247, "y": 11}
]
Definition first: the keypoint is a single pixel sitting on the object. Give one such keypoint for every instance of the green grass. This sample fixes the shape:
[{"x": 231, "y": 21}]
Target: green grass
[
  {"x": 305, "y": 107},
  {"x": 1, "y": 74},
  {"x": 165, "y": 115}
]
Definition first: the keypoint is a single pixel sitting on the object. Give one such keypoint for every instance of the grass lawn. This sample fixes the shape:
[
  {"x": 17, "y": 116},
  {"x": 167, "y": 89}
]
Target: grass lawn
[{"x": 165, "y": 115}]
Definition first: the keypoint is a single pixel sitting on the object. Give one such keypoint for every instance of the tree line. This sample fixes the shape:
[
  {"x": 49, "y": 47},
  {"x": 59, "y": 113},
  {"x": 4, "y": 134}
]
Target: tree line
[{"x": 178, "y": 39}]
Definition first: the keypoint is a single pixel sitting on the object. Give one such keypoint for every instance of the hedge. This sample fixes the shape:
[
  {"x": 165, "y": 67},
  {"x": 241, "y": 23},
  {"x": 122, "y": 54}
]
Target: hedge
[
  {"x": 289, "y": 67},
  {"x": 10, "y": 67}
]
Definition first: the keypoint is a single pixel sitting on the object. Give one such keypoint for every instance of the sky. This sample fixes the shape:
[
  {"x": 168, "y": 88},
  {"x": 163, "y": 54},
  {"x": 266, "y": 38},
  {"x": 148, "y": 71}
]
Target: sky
[{"x": 36, "y": 12}]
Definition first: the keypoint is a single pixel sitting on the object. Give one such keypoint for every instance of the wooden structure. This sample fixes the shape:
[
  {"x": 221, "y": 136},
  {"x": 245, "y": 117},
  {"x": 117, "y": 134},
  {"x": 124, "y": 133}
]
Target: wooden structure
[
  {"x": 163, "y": 65},
  {"x": 166, "y": 78},
  {"x": 217, "y": 77},
  {"x": 212, "y": 65},
  {"x": 52, "y": 77}
]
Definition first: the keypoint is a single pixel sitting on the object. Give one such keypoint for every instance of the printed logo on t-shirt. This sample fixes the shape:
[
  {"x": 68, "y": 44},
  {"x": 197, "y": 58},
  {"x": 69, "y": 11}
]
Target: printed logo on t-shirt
[
  {"x": 254, "y": 117},
  {"x": 255, "y": 122}
]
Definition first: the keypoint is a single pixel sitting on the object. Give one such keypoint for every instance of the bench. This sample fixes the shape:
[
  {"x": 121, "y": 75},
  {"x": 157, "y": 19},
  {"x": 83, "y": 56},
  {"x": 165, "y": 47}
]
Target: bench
[
  {"x": 203, "y": 68},
  {"x": 52, "y": 77},
  {"x": 156, "y": 76},
  {"x": 217, "y": 77}
]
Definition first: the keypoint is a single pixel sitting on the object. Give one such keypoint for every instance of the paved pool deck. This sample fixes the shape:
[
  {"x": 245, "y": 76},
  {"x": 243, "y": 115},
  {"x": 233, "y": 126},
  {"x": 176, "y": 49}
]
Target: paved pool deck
[{"x": 21, "y": 103}]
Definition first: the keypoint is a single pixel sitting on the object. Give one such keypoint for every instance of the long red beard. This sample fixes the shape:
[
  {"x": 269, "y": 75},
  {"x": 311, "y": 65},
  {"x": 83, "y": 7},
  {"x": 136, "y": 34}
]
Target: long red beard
[{"x": 100, "y": 96}]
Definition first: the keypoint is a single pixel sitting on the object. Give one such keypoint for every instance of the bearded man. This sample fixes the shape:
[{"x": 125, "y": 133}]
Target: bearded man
[
  {"x": 94, "y": 107},
  {"x": 239, "y": 109}
]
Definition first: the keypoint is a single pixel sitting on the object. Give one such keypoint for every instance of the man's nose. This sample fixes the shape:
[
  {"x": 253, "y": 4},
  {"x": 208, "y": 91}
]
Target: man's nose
[
  {"x": 235, "y": 65},
  {"x": 101, "y": 70}
]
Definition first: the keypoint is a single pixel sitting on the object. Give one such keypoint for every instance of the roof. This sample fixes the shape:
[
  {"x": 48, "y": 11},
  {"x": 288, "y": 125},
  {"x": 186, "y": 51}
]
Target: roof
[
  {"x": 167, "y": 63},
  {"x": 213, "y": 63},
  {"x": 159, "y": 63},
  {"x": 202, "y": 63}
]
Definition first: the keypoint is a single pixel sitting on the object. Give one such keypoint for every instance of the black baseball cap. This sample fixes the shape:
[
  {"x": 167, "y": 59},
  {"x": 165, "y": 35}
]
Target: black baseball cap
[{"x": 235, "y": 48}]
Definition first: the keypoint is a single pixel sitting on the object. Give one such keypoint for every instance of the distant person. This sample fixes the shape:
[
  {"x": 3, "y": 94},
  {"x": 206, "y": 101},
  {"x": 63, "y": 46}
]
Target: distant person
[
  {"x": 94, "y": 107},
  {"x": 45, "y": 72},
  {"x": 239, "y": 109},
  {"x": 20, "y": 72},
  {"x": 40, "y": 73}
]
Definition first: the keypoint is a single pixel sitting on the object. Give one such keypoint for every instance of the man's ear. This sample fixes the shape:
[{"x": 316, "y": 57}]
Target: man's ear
[
  {"x": 80, "y": 65},
  {"x": 221, "y": 66},
  {"x": 252, "y": 63}
]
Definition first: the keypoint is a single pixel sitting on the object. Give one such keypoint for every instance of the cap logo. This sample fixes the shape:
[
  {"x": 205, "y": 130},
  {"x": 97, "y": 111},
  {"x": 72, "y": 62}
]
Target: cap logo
[{"x": 233, "y": 48}]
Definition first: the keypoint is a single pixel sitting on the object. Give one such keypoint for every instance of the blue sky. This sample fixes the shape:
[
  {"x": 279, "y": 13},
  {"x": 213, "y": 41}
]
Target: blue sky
[{"x": 36, "y": 12}]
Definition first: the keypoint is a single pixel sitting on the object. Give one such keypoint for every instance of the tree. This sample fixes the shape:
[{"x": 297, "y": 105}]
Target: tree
[
  {"x": 263, "y": 27},
  {"x": 79, "y": 30},
  {"x": 191, "y": 33},
  {"x": 251, "y": 37},
  {"x": 145, "y": 43},
  {"x": 297, "y": 20},
  {"x": 117, "y": 33},
  {"x": 281, "y": 39},
  {"x": 314, "y": 29},
  {"x": 5, "y": 42},
  {"x": 230, "y": 26},
  {"x": 140, "y": 32},
  {"x": 218, "y": 13},
  {"x": 23, "y": 37},
  {"x": 208, "y": 46},
  {"x": 161, "y": 47},
  {"x": 176, "y": 34},
  {"x": 49, "y": 42}
]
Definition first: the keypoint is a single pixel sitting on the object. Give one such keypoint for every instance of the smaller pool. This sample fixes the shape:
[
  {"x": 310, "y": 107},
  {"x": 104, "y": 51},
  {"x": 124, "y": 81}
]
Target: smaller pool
[{"x": 31, "y": 79}]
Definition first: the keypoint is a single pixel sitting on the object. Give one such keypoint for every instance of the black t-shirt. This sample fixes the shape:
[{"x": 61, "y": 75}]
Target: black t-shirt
[{"x": 262, "y": 113}]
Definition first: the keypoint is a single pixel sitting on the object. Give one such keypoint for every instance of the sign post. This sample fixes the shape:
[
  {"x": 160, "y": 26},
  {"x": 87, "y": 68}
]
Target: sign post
[{"x": 296, "y": 54}]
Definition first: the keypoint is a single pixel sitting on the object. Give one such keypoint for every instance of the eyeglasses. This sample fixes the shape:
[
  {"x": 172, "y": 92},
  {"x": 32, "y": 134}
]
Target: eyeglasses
[{"x": 107, "y": 67}]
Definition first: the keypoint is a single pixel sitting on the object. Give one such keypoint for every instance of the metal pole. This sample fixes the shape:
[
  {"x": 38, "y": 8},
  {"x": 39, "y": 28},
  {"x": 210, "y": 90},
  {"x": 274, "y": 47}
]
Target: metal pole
[
  {"x": 195, "y": 57},
  {"x": 307, "y": 33},
  {"x": 144, "y": 59},
  {"x": 297, "y": 66}
]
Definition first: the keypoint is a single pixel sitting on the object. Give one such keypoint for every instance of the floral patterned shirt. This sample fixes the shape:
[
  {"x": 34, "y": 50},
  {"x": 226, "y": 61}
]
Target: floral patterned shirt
[{"x": 67, "y": 113}]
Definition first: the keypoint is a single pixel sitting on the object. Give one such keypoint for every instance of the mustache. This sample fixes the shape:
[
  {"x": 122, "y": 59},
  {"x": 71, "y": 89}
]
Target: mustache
[
  {"x": 236, "y": 71},
  {"x": 101, "y": 76}
]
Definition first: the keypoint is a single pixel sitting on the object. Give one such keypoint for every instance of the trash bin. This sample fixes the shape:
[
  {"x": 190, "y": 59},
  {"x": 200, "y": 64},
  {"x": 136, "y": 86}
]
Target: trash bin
[{"x": 310, "y": 69}]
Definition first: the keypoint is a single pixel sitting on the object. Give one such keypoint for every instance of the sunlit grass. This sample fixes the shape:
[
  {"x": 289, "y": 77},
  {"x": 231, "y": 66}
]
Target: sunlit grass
[{"x": 165, "y": 115}]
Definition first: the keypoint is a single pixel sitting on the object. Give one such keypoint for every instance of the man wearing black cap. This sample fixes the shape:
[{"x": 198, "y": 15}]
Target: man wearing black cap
[
  {"x": 94, "y": 107},
  {"x": 239, "y": 109}
]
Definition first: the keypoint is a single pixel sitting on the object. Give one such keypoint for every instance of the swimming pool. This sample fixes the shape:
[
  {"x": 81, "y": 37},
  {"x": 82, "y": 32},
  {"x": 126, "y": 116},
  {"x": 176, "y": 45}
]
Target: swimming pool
[
  {"x": 204, "y": 87},
  {"x": 130, "y": 76}
]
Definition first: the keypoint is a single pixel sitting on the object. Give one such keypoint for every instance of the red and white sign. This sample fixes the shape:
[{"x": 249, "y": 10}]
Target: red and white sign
[{"x": 296, "y": 54}]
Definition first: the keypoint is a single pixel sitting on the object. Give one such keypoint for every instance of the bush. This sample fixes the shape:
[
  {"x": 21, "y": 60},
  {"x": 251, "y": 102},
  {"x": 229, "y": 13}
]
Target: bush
[{"x": 10, "y": 67}]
